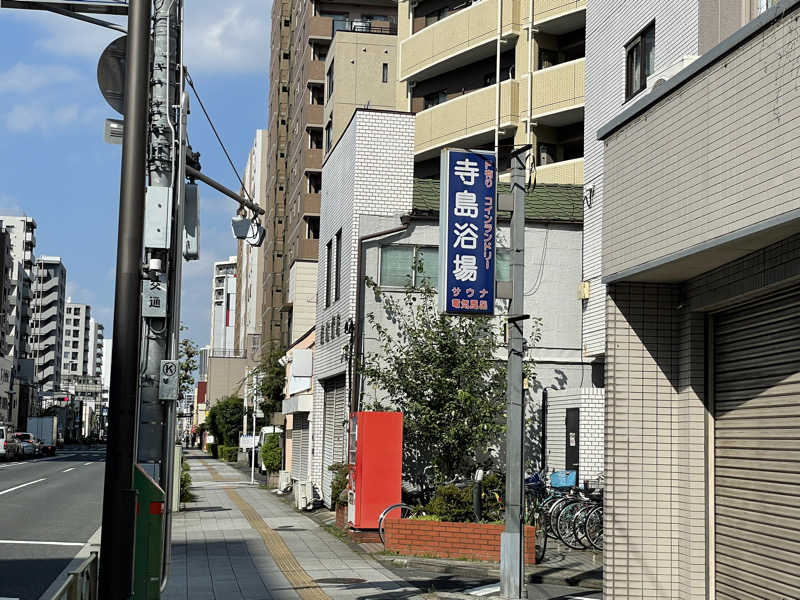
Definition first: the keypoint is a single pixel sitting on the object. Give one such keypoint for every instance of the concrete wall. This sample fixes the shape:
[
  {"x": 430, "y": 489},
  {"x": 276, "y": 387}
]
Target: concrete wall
[
  {"x": 697, "y": 131},
  {"x": 591, "y": 402},
  {"x": 225, "y": 378},
  {"x": 358, "y": 60},
  {"x": 303, "y": 296}
]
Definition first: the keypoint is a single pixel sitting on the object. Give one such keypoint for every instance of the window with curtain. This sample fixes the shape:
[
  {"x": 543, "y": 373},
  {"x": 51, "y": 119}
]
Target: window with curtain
[
  {"x": 428, "y": 266},
  {"x": 396, "y": 264},
  {"x": 640, "y": 58}
]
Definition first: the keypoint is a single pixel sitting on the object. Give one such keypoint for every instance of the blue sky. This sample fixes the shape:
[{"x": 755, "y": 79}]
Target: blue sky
[{"x": 56, "y": 168}]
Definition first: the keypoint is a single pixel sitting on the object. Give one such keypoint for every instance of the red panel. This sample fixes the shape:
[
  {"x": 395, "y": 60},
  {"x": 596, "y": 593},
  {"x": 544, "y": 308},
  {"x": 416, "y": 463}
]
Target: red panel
[{"x": 379, "y": 464}]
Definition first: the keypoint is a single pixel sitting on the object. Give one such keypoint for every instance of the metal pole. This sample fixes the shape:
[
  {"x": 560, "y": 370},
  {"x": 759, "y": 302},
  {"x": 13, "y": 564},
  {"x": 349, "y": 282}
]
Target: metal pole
[
  {"x": 119, "y": 497},
  {"x": 253, "y": 448},
  {"x": 511, "y": 557}
]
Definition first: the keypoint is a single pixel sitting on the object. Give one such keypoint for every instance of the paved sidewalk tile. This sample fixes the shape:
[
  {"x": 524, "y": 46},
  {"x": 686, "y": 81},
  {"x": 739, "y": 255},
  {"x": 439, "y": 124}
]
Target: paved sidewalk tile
[{"x": 220, "y": 548}]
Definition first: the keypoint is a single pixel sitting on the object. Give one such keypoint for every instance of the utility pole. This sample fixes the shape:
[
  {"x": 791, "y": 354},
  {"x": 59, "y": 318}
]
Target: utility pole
[
  {"x": 512, "y": 553},
  {"x": 162, "y": 252},
  {"x": 119, "y": 497}
]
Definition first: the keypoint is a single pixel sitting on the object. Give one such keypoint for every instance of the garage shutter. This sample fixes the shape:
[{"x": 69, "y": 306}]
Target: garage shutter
[
  {"x": 300, "y": 445},
  {"x": 757, "y": 448},
  {"x": 333, "y": 435}
]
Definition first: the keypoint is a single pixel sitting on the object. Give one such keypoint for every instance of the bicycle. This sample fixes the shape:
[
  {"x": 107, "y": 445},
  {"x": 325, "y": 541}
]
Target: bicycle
[{"x": 535, "y": 493}]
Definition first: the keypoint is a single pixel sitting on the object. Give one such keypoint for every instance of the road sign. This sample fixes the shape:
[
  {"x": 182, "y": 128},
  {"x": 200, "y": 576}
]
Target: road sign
[
  {"x": 467, "y": 229},
  {"x": 104, "y": 7},
  {"x": 111, "y": 69}
]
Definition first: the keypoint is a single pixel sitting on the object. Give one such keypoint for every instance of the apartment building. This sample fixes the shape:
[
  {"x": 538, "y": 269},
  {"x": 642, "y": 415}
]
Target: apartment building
[
  {"x": 96, "y": 339},
  {"x": 78, "y": 355},
  {"x": 447, "y": 77},
  {"x": 22, "y": 241},
  {"x": 691, "y": 248},
  {"x": 307, "y": 36},
  {"x": 250, "y": 259},
  {"x": 47, "y": 328},
  {"x": 6, "y": 292},
  {"x": 223, "y": 307}
]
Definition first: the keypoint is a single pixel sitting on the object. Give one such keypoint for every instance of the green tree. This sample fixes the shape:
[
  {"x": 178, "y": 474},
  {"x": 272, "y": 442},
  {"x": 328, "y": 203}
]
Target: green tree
[
  {"x": 188, "y": 364},
  {"x": 225, "y": 420},
  {"x": 271, "y": 453},
  {"x": 444, "y": 374},
  {"x": 272, "y": 380}
]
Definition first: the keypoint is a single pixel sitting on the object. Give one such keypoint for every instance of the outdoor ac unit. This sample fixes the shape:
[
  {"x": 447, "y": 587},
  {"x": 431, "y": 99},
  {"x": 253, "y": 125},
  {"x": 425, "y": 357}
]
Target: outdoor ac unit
[
  {"x": 284, "y": 479},
  {"x": 304, "y": 494}
]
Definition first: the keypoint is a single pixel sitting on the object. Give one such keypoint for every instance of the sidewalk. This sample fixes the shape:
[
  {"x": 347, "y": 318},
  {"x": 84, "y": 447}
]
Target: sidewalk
[{"x": 239, "y": 542}]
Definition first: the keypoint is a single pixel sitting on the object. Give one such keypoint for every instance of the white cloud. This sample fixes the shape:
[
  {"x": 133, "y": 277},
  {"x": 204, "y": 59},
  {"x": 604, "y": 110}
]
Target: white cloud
[
  {"x": 24, "y": 118},
  {"x": 219, "y": 37},
  {"x": 25, "y": 78},
  {"x": 227, "y": 37}
]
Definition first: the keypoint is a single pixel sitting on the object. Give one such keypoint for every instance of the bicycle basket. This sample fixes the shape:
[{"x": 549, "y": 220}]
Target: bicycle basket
[{"x": 563, "y": 479}]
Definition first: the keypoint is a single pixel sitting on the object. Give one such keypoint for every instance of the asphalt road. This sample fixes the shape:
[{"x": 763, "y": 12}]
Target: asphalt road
[{"x": 54, "y": 501}]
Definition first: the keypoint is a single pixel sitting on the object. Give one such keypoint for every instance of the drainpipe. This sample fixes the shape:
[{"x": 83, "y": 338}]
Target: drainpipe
[
  {"x": 531, "y": 155},
  {"x": 355, "y": 385},
  {"x": 497, "y": 80}
]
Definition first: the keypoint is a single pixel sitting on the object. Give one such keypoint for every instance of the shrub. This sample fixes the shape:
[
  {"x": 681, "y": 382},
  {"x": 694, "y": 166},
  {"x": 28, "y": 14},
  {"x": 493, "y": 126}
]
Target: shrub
[
  {"x": 220, "y": 452},
  {"x": 186, "y": 483},
  {"x": 271, "y": 453},
  {"x": 213, "y": 450},
  {"x": 339, "y": 483},
  {"x": 231, "y": 453},
  {"x": 451, "y": 504}
]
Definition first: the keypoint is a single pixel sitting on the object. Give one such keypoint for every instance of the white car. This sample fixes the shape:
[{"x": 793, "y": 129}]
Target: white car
[{"x": 10, "y": 448}]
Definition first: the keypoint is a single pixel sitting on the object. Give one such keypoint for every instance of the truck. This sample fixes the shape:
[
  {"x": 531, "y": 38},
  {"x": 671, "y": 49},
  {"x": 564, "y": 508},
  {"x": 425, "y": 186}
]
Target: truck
[{"x": 46, "y": 430}]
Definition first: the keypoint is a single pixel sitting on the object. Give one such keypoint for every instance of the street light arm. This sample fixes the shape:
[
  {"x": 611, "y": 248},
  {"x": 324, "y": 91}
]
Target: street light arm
[
  {"x": 81, "y": 17},
  {"x": 195, "y": 174}
]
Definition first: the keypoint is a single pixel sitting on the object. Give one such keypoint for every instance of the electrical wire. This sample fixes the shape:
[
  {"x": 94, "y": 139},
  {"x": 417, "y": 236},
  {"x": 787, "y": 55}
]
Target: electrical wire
[{"x": 214, "y": 129}]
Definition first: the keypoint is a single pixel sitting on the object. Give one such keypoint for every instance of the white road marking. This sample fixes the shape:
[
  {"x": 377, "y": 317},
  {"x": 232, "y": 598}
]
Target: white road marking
[
  {"x": 36, "y": 543},
  {"x": 68, "y": 470},
  {"x": 87, "y": 464},
  {"x": 21, "y": 486}
]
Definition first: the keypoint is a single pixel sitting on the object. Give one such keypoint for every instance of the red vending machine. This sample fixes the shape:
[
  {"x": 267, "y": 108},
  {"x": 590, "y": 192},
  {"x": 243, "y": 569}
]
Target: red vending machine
[{"x": 376, "y": 466}]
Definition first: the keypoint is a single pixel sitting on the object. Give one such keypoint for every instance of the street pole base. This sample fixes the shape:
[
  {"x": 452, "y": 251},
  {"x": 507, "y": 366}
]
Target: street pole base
[{"x": 511, "y": 566}]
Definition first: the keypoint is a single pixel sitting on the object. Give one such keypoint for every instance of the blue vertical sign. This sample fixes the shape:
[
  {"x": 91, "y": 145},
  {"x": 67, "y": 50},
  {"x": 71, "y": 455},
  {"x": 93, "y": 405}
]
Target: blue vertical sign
[{"x": 467, "y": 223}]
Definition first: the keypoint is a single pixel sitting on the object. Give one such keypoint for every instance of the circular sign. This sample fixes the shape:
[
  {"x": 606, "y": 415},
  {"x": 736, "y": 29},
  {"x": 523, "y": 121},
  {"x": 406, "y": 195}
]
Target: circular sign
[
  {"x": 111, "y": 70},
  {"x": 169, "y": 369}
]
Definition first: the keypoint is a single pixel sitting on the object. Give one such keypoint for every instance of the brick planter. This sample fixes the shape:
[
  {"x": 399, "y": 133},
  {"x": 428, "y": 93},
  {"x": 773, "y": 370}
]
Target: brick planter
[
  {"x": 341, "y": 516},
  {"x": 474, "y": 541}
]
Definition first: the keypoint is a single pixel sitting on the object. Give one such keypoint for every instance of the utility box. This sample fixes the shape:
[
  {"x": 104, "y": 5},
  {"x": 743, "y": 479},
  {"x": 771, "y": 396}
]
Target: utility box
[
  {"x": 376, "y": 466},
  {"x": 149, "y": 529}
]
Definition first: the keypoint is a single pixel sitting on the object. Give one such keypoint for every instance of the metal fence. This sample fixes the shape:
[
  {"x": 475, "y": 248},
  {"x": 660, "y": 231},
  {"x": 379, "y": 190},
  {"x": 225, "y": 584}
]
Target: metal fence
[{"x": 81, "y": 584}]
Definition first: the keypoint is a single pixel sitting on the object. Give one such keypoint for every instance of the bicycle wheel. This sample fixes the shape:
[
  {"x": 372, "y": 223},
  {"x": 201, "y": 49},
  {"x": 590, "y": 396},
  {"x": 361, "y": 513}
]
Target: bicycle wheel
[
  {"x": 564, "y": 525},
  {"x": 541, "y": 534},
  {"x": 594, "y": 527},
  {"x": 405, "y": 512},
  {"x": 579, "y": 523},
  {"x": 552, "y": 517}
]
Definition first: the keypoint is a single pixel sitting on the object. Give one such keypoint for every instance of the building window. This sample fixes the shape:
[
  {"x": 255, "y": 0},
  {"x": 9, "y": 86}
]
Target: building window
[
  {"x": 328, "y": 136},
  {"x": 436, "y": 15},
  {"x": 409, "y": 265},
  {"x": 640, "y": 54},
  {"x": 385, "y": 74},
  {"x": 330, "y": 80},
  {"x": 435, "y": 98},
  {"x": 328, "y": 271},
  {"x": 338, "y": 277},
  {"x": 312, "y": 228}
]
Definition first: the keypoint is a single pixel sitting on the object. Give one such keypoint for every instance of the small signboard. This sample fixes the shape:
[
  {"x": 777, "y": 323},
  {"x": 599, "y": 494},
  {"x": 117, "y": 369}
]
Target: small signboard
[
  {"x": 467, "y": 225},
  {"x": 104, "y": 7}
]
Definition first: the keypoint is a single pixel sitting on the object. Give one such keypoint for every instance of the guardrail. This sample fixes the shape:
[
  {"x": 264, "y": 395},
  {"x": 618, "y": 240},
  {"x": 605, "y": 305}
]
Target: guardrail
[{"x": 81, "y": 584}]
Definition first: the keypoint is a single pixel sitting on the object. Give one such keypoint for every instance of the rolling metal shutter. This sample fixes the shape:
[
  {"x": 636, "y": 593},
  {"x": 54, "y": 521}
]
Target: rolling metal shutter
[
  {"x": 301, "y": 435},
  {"x": 333, "y": 434},
  {"x": 756, "y": 367}
]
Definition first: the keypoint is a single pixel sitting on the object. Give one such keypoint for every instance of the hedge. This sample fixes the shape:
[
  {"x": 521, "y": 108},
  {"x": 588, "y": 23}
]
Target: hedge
[{"x": 221, "y": 452}]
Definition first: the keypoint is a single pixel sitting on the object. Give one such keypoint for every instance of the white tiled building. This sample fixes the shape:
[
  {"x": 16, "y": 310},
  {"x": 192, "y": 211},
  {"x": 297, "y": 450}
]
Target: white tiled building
[{"x": 370, "y": 174}]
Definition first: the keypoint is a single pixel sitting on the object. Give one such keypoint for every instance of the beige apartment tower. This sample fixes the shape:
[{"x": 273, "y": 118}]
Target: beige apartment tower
[
  {"x": 327, "y": 58},
  {"x": 447, "y": 77}
]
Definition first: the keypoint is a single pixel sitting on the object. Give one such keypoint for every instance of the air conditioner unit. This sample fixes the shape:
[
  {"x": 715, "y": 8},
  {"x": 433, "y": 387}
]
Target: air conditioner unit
[
  {"x": 284, "y": 479},
  {"x": 304, "y": 494}
]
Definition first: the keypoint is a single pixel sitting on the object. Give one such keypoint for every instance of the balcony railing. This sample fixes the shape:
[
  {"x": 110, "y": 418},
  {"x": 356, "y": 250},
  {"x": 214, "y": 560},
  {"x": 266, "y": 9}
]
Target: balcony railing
[
  {"x": 465, "y": 116},
  {"x": 564, "y": 172},
  {"x": 226, "y": 353},
  {"x": 556, "y": 89},
  {"x": 361, "y": 26}
]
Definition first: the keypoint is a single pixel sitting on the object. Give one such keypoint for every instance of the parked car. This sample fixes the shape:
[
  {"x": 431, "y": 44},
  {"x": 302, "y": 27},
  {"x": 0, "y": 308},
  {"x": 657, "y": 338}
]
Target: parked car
[
  {"x": 28, "y": 438},
  {"x": 28, "y": 449},
  {"x": 10, "y": 448}
]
